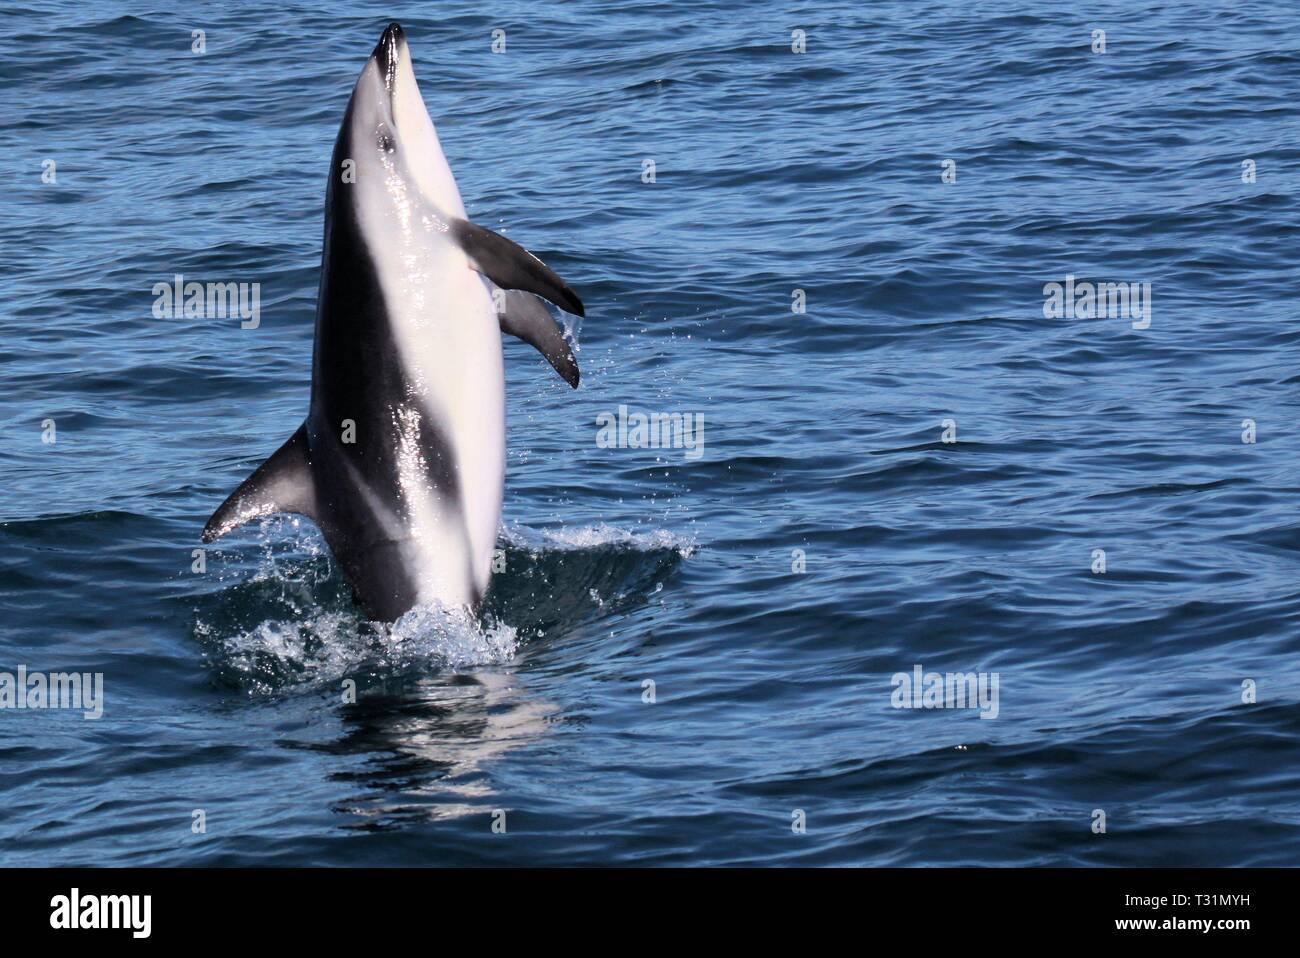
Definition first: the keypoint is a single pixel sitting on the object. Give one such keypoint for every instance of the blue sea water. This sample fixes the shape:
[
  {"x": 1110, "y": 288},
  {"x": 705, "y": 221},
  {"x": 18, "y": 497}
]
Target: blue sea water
[{"x": 827, "y": 538}]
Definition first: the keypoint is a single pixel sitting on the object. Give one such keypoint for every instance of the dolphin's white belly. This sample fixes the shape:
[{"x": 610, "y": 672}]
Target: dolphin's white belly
[
  {"x": 455, "y": 364},
  {"x": 448, "y": 340}
]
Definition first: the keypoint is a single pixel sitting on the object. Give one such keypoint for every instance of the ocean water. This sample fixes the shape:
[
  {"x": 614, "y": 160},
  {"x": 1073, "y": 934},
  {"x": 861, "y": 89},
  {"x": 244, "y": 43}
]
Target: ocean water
[{"x": 828, "y": 535}]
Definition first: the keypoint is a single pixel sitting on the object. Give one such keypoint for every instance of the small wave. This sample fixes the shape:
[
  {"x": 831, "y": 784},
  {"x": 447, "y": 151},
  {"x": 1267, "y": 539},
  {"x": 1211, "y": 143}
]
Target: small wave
[
  {"x": 560, "y": 578},
  {"x": 599, "y": 536}
]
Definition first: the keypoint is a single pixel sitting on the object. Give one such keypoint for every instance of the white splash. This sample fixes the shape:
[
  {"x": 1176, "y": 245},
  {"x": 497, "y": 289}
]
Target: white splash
[{"x": 327, "y": 647}]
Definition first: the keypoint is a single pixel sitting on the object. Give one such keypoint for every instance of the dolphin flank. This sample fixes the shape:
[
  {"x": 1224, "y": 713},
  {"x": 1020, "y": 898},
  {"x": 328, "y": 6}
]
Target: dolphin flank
[{"x": 401, "y": 460}]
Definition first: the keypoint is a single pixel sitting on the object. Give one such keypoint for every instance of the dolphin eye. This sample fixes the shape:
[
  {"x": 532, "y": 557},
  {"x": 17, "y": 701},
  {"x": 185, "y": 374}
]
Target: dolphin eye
[{"x": 385, "y": 142}]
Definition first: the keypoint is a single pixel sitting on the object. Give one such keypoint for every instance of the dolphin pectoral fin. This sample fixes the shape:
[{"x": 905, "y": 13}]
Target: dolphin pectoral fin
[
  {"x": 281, "y": 484},
  {"x": 511, "y": 266},
  {"x": 523, "y": 315}
]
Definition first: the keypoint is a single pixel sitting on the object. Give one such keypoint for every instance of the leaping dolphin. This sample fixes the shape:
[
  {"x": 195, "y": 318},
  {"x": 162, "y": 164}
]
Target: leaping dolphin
[{"x": 401, "y": 461}]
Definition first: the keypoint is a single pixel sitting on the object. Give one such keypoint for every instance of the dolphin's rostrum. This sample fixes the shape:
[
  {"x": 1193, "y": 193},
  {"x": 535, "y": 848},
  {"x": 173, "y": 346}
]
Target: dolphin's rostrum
[{"x": 401, "y": 460}]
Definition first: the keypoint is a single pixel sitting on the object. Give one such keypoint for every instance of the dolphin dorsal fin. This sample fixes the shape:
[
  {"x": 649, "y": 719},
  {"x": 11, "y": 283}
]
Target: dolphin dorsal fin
[
  {"x": 511, "y": 266},
  {"x": 523, "y": 315},
  {"x": 281, "y": 484}
]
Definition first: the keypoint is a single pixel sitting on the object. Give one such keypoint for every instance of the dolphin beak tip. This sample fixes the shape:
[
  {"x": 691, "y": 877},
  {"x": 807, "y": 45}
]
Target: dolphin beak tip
[{"x": 389, "y": 47}]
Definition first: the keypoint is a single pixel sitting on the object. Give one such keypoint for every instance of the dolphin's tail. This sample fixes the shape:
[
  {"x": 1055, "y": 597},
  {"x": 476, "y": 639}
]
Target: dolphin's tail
[{"x": 281, "y": 484}]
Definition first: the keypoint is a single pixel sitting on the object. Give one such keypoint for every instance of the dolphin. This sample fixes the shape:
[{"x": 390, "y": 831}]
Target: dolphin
[{"x": 401, "y": 460}]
